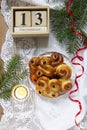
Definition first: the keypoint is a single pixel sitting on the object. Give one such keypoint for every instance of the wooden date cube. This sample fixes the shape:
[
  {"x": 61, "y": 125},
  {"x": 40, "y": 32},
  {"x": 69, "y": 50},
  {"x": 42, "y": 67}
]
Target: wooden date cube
[
  {"x": 22, "y": 18},
  {"x": 39, "y": 18},
  {"x": 30, "y": 21}
]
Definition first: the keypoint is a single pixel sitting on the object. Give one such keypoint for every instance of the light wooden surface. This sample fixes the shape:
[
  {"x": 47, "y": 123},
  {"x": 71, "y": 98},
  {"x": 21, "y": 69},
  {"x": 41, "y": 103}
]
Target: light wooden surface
[
  {"x": 3, "y": 29},
  {"x": 0, "y": 2},
  {"x": 1, "y": 112}
]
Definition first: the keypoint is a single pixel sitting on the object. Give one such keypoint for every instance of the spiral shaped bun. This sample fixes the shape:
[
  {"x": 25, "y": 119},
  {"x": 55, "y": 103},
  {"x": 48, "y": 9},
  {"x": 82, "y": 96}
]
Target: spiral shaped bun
[
  {"x": 33, "y": 77},
  {"x": 53, "y": 94},
  {"x": 56, "y": 58},
  {"x": 45, "y": 61},
  {"x": 47, "y": 87},
  {"x": 66, "y": 85},
  {"x": 40, "y": 90},
  {"x": 46, "y": 70},
  {"x": 39, "y": 71},
  {"x": 42, "y": 82},
  {"x": 33, "y": 63},
  {"x": 42, "y": 85},
  {"x": 54, "y": 85},
  {"x": 64, "y": 71}
]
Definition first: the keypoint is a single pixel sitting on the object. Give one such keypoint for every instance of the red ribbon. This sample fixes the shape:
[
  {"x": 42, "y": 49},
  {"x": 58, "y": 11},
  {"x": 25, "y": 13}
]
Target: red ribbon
[
  {"x": 77, "y": 88},
  {"x": 77, "y": 56}
]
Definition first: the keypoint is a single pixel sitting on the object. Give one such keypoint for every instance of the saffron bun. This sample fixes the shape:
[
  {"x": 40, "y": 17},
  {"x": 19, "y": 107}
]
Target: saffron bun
[
  {"x": 51, "y": 74},
  {"x": 43, "y": 81},
  {"x": 33, "y": 63},
  {"x": 53, "y": 94},
  {"x": 33, "y": 77},
  {"x": 64, "y": 71},
  {"x": 45, "y": 60},
  {"x": 66, "y": 85},
  {"x": 48, "y": 87},
  {"x": 46, "y": 70},
  {"x": 39, "y": 71},
  {"x": 56, "y": 59},
  {"x": 42, "y": 84},
  {"x": 55, "y": 85}
]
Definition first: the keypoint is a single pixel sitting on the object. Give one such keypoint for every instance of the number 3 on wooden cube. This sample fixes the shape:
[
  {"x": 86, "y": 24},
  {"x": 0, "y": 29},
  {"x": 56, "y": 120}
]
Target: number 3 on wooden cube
[{"x": 39, "y": 18}]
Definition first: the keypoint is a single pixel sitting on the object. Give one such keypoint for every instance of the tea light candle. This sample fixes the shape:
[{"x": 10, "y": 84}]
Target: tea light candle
[{"x": 20, "y": 92}]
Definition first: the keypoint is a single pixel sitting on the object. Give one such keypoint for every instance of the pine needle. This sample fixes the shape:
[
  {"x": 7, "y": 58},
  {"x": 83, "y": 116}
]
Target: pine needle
[
  {"x": 13, "y": 75},
  {"x": 61, "y": 24}
]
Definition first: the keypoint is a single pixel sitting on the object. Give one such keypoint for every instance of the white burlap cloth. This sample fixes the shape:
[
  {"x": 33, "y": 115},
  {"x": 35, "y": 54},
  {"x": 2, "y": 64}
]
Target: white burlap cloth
[{"x": 57, "y": 114}]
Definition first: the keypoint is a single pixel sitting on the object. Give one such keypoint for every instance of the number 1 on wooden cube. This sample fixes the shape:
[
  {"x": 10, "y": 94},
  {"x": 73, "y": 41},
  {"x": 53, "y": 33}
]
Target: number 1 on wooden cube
[{"x": 22, "y": 19}]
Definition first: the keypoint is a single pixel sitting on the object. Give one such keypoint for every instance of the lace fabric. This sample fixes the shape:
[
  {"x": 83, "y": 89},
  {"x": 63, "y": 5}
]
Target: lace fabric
[
  {"x": 22, "y": 116},
  {"x": 18, "y": 116}
]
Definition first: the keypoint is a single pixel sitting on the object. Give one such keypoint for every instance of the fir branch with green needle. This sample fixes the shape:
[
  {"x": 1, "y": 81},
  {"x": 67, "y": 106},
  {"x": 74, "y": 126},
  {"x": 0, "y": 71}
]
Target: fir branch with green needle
[
  {"x": 1, "y": 68},
  {"x": 5, "y": 94},
  {"x": 13, "y": 75},
  {"x": 61, "y": 24}
]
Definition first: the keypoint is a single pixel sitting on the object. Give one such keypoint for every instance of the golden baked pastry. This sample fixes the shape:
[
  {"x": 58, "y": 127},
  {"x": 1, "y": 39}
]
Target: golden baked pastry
[
  {"x": 64, "y": 71},
  {"x": 42, "y": 81},
  {"x": 45, "y": 60},
  {"x": 54, "y": 84},
  {"x": 40, "y": 90},
  {"x": 39, "y": 71},
  {"x": 33, "y": 63},
  {"x": 53, "y": 94},
  {"x": 56, "y": 59},
  {"x": 42, "y": 84},
  {"x": 66, "y": 85},
  {"x": 47, "y": 87},
  {"x": 46, "y": 70},
  {"x": 33, "y": 77}
]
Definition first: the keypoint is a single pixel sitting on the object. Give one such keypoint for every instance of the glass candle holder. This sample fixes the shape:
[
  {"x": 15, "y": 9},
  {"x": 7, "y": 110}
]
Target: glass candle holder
[{"x": 20, "y": 93}]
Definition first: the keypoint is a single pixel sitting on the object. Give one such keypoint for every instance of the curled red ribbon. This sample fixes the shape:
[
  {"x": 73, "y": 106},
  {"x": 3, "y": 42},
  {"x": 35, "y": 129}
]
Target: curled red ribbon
[
  {"x": 76, "y": 89},
  {"x": 77, "y": 56}
]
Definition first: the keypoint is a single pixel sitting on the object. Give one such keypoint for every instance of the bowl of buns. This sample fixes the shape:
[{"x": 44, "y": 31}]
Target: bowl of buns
[{"x": 51, "y": 74}]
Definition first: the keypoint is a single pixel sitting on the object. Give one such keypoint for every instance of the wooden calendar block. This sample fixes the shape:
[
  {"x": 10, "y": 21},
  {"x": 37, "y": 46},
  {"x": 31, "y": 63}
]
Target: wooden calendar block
[
  {"x": 22, "y": 18},
  {"x": 30, "y": 21},
  {"x": 39, "y": 18}
]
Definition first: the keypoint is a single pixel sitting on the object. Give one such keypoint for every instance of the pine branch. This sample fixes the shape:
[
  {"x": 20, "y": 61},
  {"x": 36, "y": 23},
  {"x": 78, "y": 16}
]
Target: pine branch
[
  {"x": 14, "y": 64},
  {"x": 5, "y": 95},
  {"x": 72, "y": 45},
  {"x": 79, "y": 9},
  {"x": 13, "y": 75},
  {"x": 61, "y": 24},
  {"x": 1, "y": 68}
]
